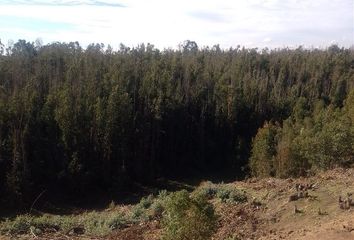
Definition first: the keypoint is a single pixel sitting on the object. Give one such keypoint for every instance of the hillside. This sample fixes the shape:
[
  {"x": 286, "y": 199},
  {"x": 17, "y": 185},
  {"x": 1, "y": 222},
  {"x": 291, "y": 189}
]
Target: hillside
[
  {"x": 266, "y": 213},
  {"x": 77, "y": 120}
]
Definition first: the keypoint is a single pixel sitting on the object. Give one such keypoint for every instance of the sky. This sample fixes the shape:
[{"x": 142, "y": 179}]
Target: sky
[{"x": 166, "y": 23}]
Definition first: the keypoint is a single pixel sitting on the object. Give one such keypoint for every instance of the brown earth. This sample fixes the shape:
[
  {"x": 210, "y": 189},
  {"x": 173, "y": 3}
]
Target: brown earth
[
  {"x": 318, "y": 215},
  {"x": 269, "y": 215}
]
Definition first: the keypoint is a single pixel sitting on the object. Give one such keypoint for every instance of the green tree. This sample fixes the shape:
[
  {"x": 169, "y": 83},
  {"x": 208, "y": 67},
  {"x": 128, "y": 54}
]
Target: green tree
[{"x": 264, "y": 150}]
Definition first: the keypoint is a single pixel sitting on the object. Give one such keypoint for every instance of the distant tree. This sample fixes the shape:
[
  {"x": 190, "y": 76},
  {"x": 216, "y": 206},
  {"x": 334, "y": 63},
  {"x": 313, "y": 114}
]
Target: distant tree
[
  {"x": 1, "y": 48},
  {"x": 78, "y": 119},
  {"x": 189, "y": 46}
]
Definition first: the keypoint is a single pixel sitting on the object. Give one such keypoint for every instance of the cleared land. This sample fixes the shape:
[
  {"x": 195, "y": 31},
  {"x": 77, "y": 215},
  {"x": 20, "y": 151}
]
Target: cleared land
[{"x": 251, "y": 209}]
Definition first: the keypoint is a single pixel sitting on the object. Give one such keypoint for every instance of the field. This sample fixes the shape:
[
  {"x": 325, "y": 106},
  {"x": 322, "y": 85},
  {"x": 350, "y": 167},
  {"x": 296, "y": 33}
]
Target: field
[{"x": 250, "y": 209}]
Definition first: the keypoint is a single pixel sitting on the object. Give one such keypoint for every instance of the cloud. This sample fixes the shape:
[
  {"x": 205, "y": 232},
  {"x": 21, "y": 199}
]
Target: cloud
[
  {"x": 62, "y": 3},
  {"x": 208, "y": 16},
  {"x": 267, "y": 40},
  {"x": 167, "y": 23}
]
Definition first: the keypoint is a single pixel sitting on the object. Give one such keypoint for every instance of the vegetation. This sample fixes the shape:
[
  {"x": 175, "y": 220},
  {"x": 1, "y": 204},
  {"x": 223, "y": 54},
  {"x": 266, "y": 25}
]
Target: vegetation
[
  {"x": 183, "y": 217},
  {"x": 79, "y": 121},
  {"x": 320, "y": 139},
  {"x": 224, "y": 193},
  {"x": 188, "y": 218},
  {"x": 91, "y": 223},
  {"x": 197, "y": 215}
]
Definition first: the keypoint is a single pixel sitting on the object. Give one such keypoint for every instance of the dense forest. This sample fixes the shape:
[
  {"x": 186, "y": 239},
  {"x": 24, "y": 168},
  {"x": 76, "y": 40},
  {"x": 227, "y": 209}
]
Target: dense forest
[{"x": 77, "y": 119}]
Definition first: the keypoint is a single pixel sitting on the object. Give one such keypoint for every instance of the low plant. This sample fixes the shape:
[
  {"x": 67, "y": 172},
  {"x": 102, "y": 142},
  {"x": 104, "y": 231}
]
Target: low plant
[
  {"x": 141, "y": 210},
  {"x": 93, "y": 223},
  {"x": 20, "y": 225},
  {"x": 231, "y": 195},
  {"x": 207, "y": 189},
  {"x": 226, "y": 193},
  {"x": 188, "y": 217}
]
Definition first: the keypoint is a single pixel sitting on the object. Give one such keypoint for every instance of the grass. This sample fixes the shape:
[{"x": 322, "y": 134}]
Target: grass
[
  {"x": 102, "y": 223},
  {"x": 90, "y": 223}
]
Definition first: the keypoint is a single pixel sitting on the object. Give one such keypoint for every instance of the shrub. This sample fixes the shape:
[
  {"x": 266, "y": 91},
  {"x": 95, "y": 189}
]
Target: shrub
[
  {"x": 157, "y": 207},
  {"x": 146, "y": 202},
  {"x": 207, "y": 189},
  {"x": 20, "y": 225},
  {"x": 188, "y": 218},
  {"x": 93, "y": 223},
  {"x": 63, "y": 223},
  {"x": 231, "y": 195},
  {"x": 226, "y": 193},
  {"x": 141, "y": 210},
  {"x": 116, "y": 221}
]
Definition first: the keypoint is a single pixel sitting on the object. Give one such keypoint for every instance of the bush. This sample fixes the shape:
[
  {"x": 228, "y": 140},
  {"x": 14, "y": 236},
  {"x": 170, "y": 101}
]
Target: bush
[
  {"x": 226, "y": 193},
  {"x": 149, "y": 207},
  {"x": 19, "y": 225},
  {"x": 188, "y": 218},
  {"x": 231, "y": 195},
  {"x": 141, "y": 210},
  {"x": 93, "y": 223},
  {"x": 116, "y": 221},
  {"x": 207, "y": 189}
]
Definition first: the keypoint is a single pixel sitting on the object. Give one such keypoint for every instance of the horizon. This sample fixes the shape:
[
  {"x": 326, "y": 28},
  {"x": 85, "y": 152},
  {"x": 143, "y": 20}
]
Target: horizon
[
  {"x": 179, "y": 47},
  {"x": 258, "y": 24}
]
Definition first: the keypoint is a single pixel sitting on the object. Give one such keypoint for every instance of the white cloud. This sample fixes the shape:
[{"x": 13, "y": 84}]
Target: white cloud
[
  {"x": 109, "y": 3},
  {"x": 254, "y": 23}
]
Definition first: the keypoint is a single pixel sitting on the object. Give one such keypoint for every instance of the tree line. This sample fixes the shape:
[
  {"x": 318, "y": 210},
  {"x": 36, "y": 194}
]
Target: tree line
[{"x": 80, "y": 119}]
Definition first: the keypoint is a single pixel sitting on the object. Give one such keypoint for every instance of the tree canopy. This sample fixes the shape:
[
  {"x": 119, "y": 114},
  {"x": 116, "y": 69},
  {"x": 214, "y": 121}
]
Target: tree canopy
[{"x": 78, "y": 119}]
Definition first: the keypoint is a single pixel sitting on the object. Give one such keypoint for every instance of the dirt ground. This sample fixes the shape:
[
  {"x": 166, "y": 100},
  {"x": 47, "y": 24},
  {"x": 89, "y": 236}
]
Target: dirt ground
[
  {"x": 317, "y": 216},
  {"x": 270, "y": 213}
]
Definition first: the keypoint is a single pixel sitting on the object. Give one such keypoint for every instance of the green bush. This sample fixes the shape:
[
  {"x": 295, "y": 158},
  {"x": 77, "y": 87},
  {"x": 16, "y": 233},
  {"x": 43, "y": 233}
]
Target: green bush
[
  {"x": 116, "y": 221},
  {"x": 19, "y": 225},
  {"x": 149, "y": 207},
  {"x": 231, "y": 195},
  {"x": 226, "y": 193},
  {"x": 146, "y": 202},
  {"x": 141, "y": 210},
  {"x": 188, "y": 218},
  {"x": 207, "y": 189},
  {"x": 93, "y": 223},
  {"x": 157, "y": 207}
]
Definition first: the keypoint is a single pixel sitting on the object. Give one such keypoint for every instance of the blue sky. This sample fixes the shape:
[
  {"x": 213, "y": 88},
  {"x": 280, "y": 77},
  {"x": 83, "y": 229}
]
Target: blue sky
[{"x": 166, "y": 23}]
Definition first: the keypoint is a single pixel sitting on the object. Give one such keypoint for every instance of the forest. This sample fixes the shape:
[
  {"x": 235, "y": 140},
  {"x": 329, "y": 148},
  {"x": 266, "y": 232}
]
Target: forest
[{"x": 83, "y": 120}]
